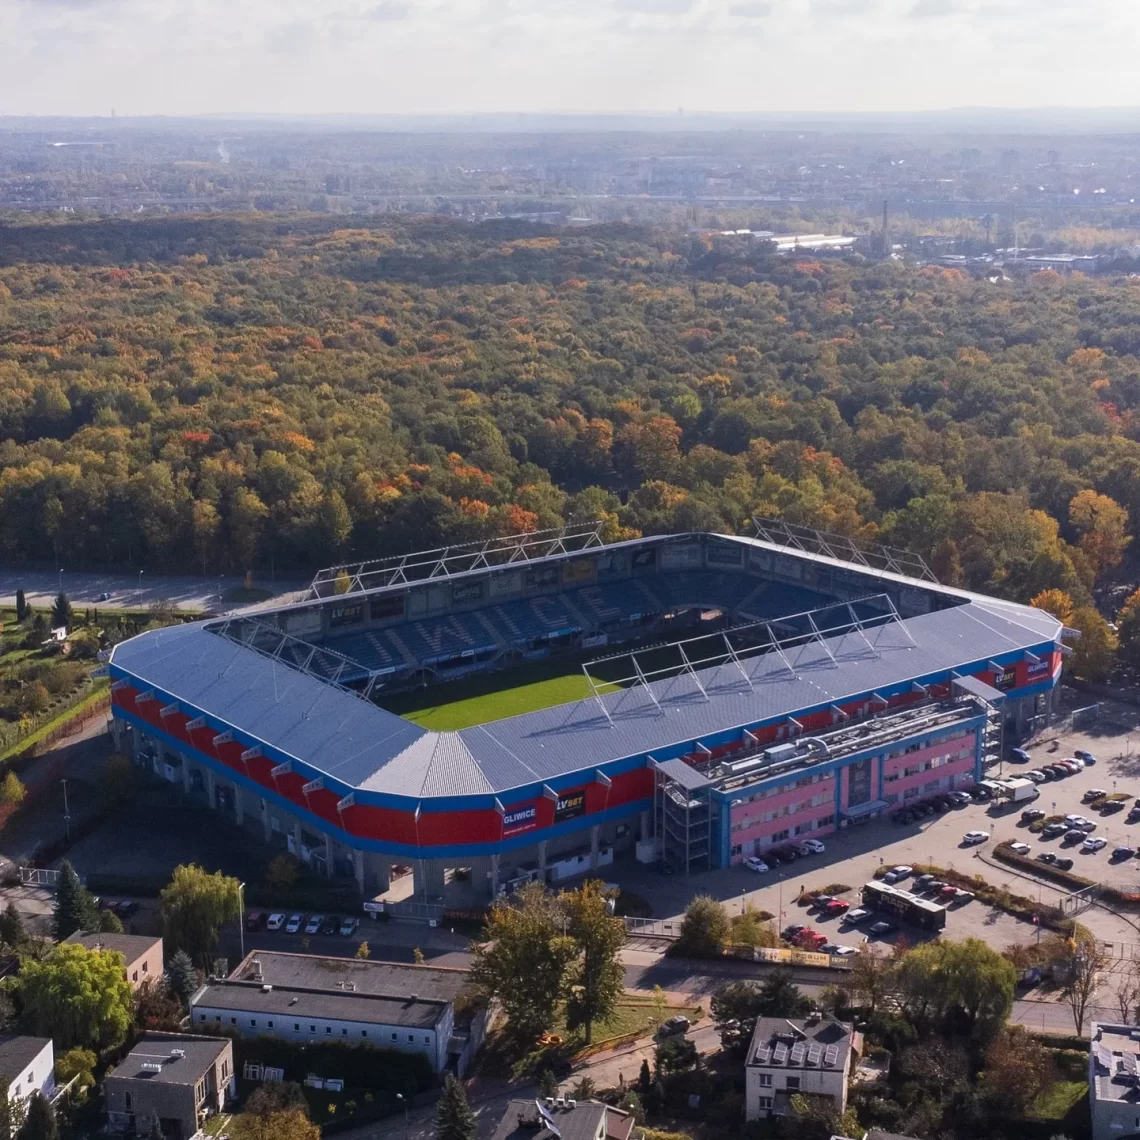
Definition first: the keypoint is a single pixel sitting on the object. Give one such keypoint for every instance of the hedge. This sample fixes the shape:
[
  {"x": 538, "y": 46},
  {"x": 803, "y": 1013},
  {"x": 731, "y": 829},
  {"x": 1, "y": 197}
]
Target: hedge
[{"x": 1069, "y": 879}]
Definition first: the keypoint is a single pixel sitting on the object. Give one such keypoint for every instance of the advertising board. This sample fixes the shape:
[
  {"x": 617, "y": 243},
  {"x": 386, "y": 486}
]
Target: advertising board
[{"x": 570, "y": 805}]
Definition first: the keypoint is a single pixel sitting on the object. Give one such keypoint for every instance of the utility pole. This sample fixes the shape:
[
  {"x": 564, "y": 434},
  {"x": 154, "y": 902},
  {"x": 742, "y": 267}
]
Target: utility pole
[{"x": 66, "y": 813}]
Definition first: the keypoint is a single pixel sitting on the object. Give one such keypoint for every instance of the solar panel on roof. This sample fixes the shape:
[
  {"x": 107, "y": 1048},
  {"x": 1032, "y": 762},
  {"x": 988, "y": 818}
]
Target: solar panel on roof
[
  {"x": 1104, "y": 1059},
  {"x": 831, "y": 1055},
  {"x": 1128, "y": 1060},
  {"x": 781, "y": 1054},
  {"x": 798, "y": 1054},
  {"x": 813, "y": 1054}
]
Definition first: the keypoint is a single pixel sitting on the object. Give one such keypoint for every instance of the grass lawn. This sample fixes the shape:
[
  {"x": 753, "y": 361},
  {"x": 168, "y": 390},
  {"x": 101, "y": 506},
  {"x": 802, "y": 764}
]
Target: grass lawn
[
  {"x": 495, "y": 702},
  {"x": 1057, "y": 1101},
  {"x": 629, "y": 1017}
]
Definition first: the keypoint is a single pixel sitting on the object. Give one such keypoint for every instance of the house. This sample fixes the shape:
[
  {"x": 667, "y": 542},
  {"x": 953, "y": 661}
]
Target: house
[
  {"x": 27, "y": 1064},
  {"x": 174, "y": 1078},
  {"x": 563, "y": 1118},
  {"x": 142, "y": 954},
  {"x": 307, "y": 997},
  {"x": 812, "y": 1058},
  {"x": 1114, "y": 1083}
]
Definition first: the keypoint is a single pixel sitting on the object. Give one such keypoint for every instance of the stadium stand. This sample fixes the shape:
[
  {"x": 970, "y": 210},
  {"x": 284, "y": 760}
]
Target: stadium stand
[
  {"x": 609, "y": 604},
  {"x": 780, "y": 599},
  {"x": 702, "y": 588}
]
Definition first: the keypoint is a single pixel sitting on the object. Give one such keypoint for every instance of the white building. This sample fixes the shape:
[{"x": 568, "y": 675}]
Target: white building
[
  {"x": 1114, "y": 1084},
  {"x": 812, "y": 1058},
  {"x": 28, "y": 1064}
]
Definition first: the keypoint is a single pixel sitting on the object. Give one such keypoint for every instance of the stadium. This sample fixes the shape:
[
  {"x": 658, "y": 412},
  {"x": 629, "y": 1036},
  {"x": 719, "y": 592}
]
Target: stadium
[{"x": 536, "y": 706}]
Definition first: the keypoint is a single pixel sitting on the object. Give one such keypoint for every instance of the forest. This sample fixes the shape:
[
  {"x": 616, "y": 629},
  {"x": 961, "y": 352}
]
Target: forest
[{"x": 239, "y": 393}]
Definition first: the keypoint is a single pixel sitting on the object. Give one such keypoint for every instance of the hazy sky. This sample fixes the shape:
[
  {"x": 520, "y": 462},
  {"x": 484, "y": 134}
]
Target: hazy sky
[{"x": 399, "y": 56}]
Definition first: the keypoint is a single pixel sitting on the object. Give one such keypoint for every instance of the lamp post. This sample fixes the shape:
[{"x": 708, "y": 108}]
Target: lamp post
[
  {"x": 241, "y": 918},
  {"x": 404, "y": 1101},
  {"x": 60, "y": 580},
  {"x": 141, "y": 573},
  {"x": 66, "y": 813}
]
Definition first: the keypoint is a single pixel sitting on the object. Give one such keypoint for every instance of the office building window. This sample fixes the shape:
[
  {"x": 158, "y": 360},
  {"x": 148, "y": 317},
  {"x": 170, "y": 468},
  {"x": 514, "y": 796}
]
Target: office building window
[
  {"x": 765, "y": 1102},
  {"x": 792, "y": 1083},
  {"x": 766, "y": 1080}
]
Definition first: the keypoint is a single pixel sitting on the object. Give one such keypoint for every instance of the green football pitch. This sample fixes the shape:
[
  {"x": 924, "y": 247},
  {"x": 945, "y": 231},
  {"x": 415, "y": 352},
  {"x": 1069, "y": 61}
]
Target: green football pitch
[{"x": 478, "y": 699}]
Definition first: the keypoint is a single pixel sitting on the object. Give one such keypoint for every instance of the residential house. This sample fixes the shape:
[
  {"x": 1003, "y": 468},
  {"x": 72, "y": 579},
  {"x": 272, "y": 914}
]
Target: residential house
[
  {"x": 563, "y": 1118},
  {"x": 28, "y": 1065},
  {"x": 142, "y": 954}
]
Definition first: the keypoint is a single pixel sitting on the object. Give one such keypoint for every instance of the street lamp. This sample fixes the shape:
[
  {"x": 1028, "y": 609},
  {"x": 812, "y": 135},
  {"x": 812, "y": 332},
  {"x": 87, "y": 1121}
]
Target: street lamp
[
  {"x": 404, "y": 1101},
  {"x": 241, "y": 918},
  {"x": 141, "y": 573},
  {"x": 60, "y": 580}
]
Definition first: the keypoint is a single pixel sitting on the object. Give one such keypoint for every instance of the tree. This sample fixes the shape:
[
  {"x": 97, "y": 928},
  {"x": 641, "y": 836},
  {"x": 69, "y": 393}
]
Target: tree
[
  {"x": 21, "y": 606},
  {"x": 595, "y": 979},
  {"x": 1018, "y": 1068},
  {"x": 750, "y": 929},
  {"x": 282, "y": 871},
  {"x": 40, "y": 1122},
  {"x": 675, "y": 1055},
  {"x": 276, "y": 1096},
  {"x": 778, "y": 997},
  {"x": 644, "y": 1077},
  {"x": 193, "y": 908},
  {"x": 77, "y": 1062},
  {"x": 74, "y": 907},
  {"x": 362, "y": 951},
  {"x": 523, "y": 959},
  {"x": 291, "y": 1125},
  {"x": 815, "y": 1118},
  {"x": 12, "y": 1113},
  {"x": 872, "y": 977},
  {"x": 12, "y": 792},
  {"x": 181, "y": 976},
  {"x": 1079, "y": 960},
  {"x": 61, "y": 615},
  {"x": 454, "y": 1119},
  {"x": 77, "y": 996},
  {"x": 1092, "y": 656},
  {"x": 1103, "y": 527},
  {"x": 1128, "y": 627},
  {"x": 110, "y": 923},
  {"x": 704, "y": 930},
  {"x": 734, "y": 1010},
  {"x": 1055, "y": 602},
  {"x": 12, "y": 932},
  {"x": 157, "y": 1006}
]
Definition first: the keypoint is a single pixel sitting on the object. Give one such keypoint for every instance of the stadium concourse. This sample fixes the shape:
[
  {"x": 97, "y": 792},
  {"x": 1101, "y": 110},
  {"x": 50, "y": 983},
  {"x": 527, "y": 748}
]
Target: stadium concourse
[{"x": 731, "y": 693}]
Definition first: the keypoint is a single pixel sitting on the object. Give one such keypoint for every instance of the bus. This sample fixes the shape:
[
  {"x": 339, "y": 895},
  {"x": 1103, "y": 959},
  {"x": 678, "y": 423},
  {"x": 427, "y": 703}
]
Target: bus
[{"x": 888, "y": 899}]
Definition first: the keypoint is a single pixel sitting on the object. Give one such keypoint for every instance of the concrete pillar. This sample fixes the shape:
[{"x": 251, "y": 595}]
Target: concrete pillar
[
  {"x": 542, "y": 859},
  {"x": 328, "y": 857},
  {"x": 117, "y": 733},
  {"x": 186, "y": 774},
  {"x": 493, "y": 881},
  {"x": 239, "y": 807},
  {"x": 296, "y": 829},
  {"x": 266, "y": 829},
  {"x": 136, "y": 740},
  {"x": 358, "y": 866},
  {"x": 595, "y": 843},
  {"x": 211, "y": 785},
  {"x": 643, "y": 830},
  {"x": 428, "y": 879},
  {"x": 379, "y": 872}
]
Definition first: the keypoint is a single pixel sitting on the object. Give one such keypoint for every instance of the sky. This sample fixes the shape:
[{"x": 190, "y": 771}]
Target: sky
[{"x": 184, "y": 57}]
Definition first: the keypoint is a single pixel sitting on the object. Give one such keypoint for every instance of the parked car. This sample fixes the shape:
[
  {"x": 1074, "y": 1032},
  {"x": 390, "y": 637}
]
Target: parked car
[
  {"x": 673, "y": 1026},
  {"x": 1087, "y": 826},
  {"x": 789, "y": 932},
  {"x": 922, "y": 882},
  {"x": 972, "y": 837},
  {"x": 844, "y": 951},
  {"x": 815, "y": 846},
  {"x": 1047, "y": 773},
  {"x": 294, "y": 923},
  {"x": 1074, "y": 835},
  {"x": 1093, "y": 794},
  {"x": 1046, "y": 857},
  {"x": 1111, "y": 807},
  {"x": 1032, "y": 814},
  {"x": 1123, "y": 851},
  {"x": 947, "y": 893},
  {"x": 897, "y": 874},
  {"x": 1019, "y": 848},
  {"x": 348, "y": 927},
  {"x": 879, "y": 929},
  {"x": 757, "y": 865},
  {"x": 105, "y": 596},
  {"x": 836, "y": 906},
  {"x": 904, "y": 816},
  {"x": 1093, "y": 843},
  {"x": 331, "y": 924},
  {"x": 1075, "y": 762},
  {"x": 961, "y": 895},
  {"x": 1053, "y": 829},
  {"x": 859, "y": 914},
  {"x": 960, "y": 799},
  {"x": 126, "y": 908},
  {"x": 1085, "y": 756},
  {"x": 1037, "y": 776},
  {"x": 313, "y": 926},
  {"x": 275, "y": 922},
  {"x": 1063, "y": 863},
  {"x": 255, "y": 920},
  {"x": 1019, "y": 756}
]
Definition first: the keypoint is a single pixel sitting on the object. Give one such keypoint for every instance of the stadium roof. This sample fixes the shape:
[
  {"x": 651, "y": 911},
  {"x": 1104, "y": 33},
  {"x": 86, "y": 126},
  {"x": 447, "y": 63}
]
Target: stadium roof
[{"x": 342, "y": 736}]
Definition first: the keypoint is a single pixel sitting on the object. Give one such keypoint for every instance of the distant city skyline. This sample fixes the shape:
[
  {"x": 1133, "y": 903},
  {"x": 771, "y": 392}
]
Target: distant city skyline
[{"x": 143, "y": 57}]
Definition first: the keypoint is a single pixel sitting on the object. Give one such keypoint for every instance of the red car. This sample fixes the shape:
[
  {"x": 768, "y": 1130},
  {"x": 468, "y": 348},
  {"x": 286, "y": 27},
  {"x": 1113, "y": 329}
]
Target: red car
[
  {"x": 810, "y": 940},
  {"x": 836, "y": 906}
]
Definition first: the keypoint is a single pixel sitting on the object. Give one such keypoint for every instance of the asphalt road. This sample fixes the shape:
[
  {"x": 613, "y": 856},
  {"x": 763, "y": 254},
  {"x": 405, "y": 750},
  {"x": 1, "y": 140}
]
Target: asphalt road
[{"x": 129, "y": 590}]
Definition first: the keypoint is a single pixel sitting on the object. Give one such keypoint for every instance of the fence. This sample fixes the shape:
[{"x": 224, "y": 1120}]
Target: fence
[
  {"x": 39, "y": 877},
  {"x": 651, "y": 928}
]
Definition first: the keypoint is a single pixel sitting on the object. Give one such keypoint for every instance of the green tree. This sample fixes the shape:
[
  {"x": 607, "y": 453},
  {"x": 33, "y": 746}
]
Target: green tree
[
  {"x": 705, "y": 930},
  {"x": 523, "y": 959},
  {"x": 110, "y": 923},
  {"x": 675, "y": 1055},
  {"x": 454, "y": 1119},
  {"x": 74, "y": 907},
  {"x": 1128, "y": 627},
  {"x": 779, "y": 997},
  {"x": 76, "y": 996},
  {"x": 276, "y": 1096},
  {"x": 77, "y": 1062},
  {"x": 1018, "y": 1069},
  {"x": 1094, "y": 653},
  {"x": 21, "y": 606},
  {"x": 181, "y": 976},
  {"x": 12, "y": 1113},
  {"x": 40, "y": 1122},
  {"x": 595, "y": 978},
  {"x": 194, "y": 906},
  {"x": 293, "y": 1124},
  {"x": 12, "y": 931},
  {"x": 815, "y": 1118},
  {"x": 61, "y": 614}
]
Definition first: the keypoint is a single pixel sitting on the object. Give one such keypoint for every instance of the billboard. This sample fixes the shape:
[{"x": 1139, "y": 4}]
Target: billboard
[
  {"x": 466, "y": 591},
  {"x": 348, "y": 613},
  {"x": 1039, "y": 670},
  {"x": 542, "y": 576},
  {"x": 506, "y": 585},
  {"x": 302, "y": 622},
  {"x": 724, "y": 553},
  {"x": 581, "y": 570},
  {"x": 570, "y": 805},
  {"x": 520, "y": 818},
  {"x": 1006, "y": 679},
  {"x": 386, "y": 606}
]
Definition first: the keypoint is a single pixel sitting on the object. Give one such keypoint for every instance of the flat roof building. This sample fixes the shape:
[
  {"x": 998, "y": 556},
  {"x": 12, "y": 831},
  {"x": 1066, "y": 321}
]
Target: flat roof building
[
  {"x": 142, "y": 953},
  {"x": 27, "y": 1064},
  {"x": 1114, "y": 1080}
]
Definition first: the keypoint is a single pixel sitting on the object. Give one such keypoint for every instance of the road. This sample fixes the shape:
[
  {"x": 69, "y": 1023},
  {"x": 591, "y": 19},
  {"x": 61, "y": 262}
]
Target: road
[{"x": 130, "y": 590}]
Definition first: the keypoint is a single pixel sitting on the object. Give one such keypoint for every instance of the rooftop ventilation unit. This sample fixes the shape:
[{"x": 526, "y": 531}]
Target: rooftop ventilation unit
[{"x": 177, "y": 1053}]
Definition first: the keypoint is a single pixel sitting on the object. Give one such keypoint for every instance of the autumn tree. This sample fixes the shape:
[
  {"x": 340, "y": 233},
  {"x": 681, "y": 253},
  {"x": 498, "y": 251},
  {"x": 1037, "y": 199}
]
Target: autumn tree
[
  {"x": 1018, "y": 1069},
  {"x": 1102, "y": 524},
  {"x": 595, "y": 979},
  {"x": 1094, "y": 653},
  {"x": 1055, "y": 602},
  {"x": 194, "y": 906},
  {"x": 1080, "y": 961},
  {"x": 1128, "y": 627}
]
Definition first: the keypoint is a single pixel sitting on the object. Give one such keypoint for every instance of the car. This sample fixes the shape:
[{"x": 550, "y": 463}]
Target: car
[
  {"x": 935, "y": 886},
  {"x": 1084, "y": 756},
  {"x": 275, "y": 922},
  {"x": 836, "y": 906},
  {"x": 1087, "y": 826},
  {"x": 1053, "y": 829},
  {"x": 947, "y": 892},
  {"x": 331, "y": 924},
  {"x": 757, "y": 865},
  {"x": 1075, "y": 762},
  {"x": 1047, "y": 773},
  {"x": 105, "y": 596},
  {"x": 1093, "y": 794},
  {"x": 879, "y": 929},
  {"x": 960, "y": 799},
  {"x": 1072, "y": 819},
  {"x": 961, "y": 895},
  {"x": 773, "y": 858},
  {"x": 811, "y": 940},
  {"x": 1073, "y": 835},
  {"x": 673, "y": 1026},
  {"x": 313, "y": 926},
  {"x": 922, "y": 882},
  {"x": 1019, "y": 848},
  {"x": 903, "y": 817},
  {"x": 1030, "y": 815},
  {"x": 1123, "y": 851},
  {"x": 981, "y": 795},
  {"x": 815, "y": 846},
  {"x": 255, "y": 919},
  {"x": 1063, "y": 863},
  {"x": 803, "y": 850},
  {"x": 1046, "y": 857},
  {"x": 844, "y": 951},
  {"x": 294, "y": 923},
  {"x": 1093, "y": 843},
  {"x": 821, "y": 901},
  {"x": 940, "y": 804},
  {"x": 859, "y": 914},
  {"x": 1133, "y": 814},
  {"x": 1111, "y": 807},
  {"x": 348, "y": 927},
  {"x": 789, "y": 932},
  {"x": 897, "y": 874},
  {"x": 126, "y": 908},
  {"x": 972, "y": 837},
  {"x": 1060, "y": 771},
  {"x": 1036, "y": 775},
  {"x": 787, "y": 854},
  {"x": 923, "y": 809},
  {"x": 1018, "y": 756}
]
